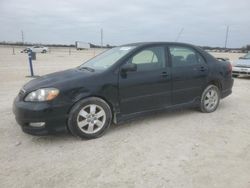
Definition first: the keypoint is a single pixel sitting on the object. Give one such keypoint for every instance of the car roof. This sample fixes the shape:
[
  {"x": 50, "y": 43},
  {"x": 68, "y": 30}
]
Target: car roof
[
  {"x": 157, "y": 43},
  {"x": 199, "y": 49}
]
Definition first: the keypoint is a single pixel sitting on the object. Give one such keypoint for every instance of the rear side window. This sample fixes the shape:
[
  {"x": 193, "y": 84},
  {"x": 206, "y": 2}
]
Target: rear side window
[
  {"x": 184, "y": 56},
  {"x": 151, "y": 58}
]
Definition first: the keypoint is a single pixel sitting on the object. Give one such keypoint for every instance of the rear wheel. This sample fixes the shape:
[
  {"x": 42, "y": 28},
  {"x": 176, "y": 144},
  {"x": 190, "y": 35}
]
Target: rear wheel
[
  {"x": 90, "y": 118},
  {"x": 210, "y": 99},
  {"x": 235, "y": 76}
]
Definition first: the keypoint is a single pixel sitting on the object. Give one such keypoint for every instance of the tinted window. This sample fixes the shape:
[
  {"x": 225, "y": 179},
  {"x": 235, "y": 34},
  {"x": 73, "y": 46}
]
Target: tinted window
[
  {"x": 183, "y": 56},
  {"x": 149, "y": 59}
]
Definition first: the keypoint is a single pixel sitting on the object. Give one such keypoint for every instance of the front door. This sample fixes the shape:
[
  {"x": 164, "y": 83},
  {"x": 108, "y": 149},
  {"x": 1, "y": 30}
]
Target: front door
[{"x": 149, "y": 87}]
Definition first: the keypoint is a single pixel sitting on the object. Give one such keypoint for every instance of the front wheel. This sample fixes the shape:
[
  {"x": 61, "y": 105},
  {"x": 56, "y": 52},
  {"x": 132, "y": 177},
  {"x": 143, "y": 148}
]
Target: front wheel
[
  {"x": 90, "y": 118},
  {"x": 210, "y": 99}
]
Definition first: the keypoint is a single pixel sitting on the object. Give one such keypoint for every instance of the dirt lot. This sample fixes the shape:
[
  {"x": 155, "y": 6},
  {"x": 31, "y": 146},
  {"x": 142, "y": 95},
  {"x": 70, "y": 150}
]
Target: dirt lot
[{"x": 184, "y": 148}]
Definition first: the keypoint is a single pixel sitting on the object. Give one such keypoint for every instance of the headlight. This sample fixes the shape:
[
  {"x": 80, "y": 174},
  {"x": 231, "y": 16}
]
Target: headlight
[{"x": 45, "y": 94}]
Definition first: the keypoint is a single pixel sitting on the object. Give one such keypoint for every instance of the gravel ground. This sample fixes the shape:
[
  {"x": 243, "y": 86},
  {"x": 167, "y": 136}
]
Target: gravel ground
[{"x": 183, "y": 148}]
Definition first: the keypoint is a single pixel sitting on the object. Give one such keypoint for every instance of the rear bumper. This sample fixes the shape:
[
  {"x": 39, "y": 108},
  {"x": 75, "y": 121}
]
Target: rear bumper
[
  {"x": 54, "y": 117},
  {"x": 225, "y": 93},
  {"x": 228, "y": 85},
  {"x": 241, "y": 71}
]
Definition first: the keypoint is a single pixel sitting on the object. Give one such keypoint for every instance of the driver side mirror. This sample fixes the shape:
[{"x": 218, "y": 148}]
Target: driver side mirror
[{"x": 129, "y": 67}]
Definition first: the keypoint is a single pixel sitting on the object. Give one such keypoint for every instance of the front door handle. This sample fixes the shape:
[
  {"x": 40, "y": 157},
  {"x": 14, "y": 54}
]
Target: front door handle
[{"x": 202, "y": 68}]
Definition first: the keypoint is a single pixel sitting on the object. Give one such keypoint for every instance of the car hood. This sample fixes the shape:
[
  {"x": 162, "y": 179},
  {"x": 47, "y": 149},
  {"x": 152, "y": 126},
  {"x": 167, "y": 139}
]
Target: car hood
[
  {"x": 57, "y": 79},
  {"x": 242, "y": 63}
]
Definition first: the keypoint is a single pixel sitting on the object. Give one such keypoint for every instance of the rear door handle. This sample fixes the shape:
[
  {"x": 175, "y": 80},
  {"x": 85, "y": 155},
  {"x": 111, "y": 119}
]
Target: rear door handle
[
  {"x": 164, "y": 74},
  {"x": 200, "y": 68}
]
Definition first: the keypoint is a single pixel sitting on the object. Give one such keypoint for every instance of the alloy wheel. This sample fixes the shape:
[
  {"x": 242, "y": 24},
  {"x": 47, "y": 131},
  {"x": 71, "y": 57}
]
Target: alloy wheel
[
  {"x": 91, "y": 119},
  {"x": 211, "y": 99}
]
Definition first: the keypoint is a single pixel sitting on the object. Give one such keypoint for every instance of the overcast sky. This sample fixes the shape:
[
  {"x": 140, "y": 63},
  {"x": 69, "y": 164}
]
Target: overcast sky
[{"x": 123, "y": 21}]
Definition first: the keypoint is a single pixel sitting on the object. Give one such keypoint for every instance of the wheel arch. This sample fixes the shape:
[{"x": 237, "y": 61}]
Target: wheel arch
[
  {"x": 70, "y": 124},
  {"x": 216, "y": 82},
  {"x": 111, "y": 106}
]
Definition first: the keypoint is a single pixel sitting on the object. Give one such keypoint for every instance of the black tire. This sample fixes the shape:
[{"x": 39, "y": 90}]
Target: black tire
[
  {"x": 44, "y": 51},
  {"x": 203, "y": 106},
  {"x": 235, "y": 76},
  {"x": 74, "y": 115}
]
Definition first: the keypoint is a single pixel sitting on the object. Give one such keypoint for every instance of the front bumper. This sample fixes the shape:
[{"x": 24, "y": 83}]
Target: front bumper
[
  {"x": 53, "y": 115},
  {"x": 241, "y": 71}
]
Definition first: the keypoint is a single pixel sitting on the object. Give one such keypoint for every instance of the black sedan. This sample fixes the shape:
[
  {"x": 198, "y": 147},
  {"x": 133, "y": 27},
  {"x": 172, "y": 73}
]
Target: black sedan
[{"x": 122, "y": 83}]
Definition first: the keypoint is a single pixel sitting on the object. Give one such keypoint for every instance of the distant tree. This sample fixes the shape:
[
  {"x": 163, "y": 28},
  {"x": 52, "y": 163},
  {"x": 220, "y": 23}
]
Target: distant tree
[
  {"x": 50, "y": 45},
  {"x": 248, "y": 47}
]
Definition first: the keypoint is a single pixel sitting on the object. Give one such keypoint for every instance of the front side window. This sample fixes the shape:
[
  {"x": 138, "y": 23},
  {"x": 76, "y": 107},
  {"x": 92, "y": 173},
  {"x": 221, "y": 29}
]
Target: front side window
[
  {"x": 184, "y": 56},
  {"x": 152, "y": 58}
]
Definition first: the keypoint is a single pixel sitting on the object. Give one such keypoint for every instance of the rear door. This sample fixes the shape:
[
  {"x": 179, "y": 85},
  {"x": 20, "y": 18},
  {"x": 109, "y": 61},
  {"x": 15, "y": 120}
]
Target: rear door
[
  {"x": 189, "y": 73},
  {"x": 149, "y": 87}
]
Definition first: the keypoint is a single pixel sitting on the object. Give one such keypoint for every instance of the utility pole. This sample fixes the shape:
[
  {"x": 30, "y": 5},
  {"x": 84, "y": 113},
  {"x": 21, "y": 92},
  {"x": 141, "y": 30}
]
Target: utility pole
[
  {"x": 22, "y": 36},
  {"x": 179, "y": 34},
  {"x": 226, "y": 36},
  {"x": 101, "y": 37}
]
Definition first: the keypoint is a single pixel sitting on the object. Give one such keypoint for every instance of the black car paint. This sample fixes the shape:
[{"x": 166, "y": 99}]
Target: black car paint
[{"x": 128, "y": 94}]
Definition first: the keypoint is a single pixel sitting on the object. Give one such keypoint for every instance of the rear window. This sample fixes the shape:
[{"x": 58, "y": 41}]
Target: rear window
[{"x": 185, "y": 56}]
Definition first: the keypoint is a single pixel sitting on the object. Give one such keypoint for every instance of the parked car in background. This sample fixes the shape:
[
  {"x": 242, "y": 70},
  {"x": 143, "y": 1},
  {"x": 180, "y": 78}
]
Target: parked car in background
[
  {"x": 36, "y": 49},
  {"x": 242, "y": 66},
  {"x": 121, "y": 83},
  {"x": 39, "y": 49}
]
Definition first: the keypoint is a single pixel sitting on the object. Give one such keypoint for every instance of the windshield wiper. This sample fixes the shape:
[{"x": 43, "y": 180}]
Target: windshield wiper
[{"x": 87, "y": 68}]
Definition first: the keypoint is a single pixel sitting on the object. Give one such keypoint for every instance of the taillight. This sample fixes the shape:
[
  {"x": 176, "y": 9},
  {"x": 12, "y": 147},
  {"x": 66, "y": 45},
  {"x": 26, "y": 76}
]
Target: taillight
[{"x": 230, "y": 67}]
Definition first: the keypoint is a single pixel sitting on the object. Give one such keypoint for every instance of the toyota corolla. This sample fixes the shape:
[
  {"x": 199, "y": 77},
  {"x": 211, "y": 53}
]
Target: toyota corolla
[{"x": 122, "y": 83}]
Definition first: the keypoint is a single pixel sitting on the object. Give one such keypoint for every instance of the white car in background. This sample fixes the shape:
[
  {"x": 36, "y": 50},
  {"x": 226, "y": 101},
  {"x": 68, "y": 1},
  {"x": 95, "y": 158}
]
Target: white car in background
[
  {"x": 36, "y": 49},
  {"x": 39, "y": 49},
  {"x": 242, "y": 66}
]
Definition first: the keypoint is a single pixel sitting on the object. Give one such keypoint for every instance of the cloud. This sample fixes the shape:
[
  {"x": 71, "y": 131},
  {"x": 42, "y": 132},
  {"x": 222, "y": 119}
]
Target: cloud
[{"x": 64, "y": 21}]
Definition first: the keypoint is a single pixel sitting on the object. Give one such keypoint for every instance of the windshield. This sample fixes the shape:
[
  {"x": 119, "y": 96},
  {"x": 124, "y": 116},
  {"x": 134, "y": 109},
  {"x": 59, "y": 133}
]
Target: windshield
[
  {"x": 107, "y": 58},
  {"x": 247, "y": 56}
]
